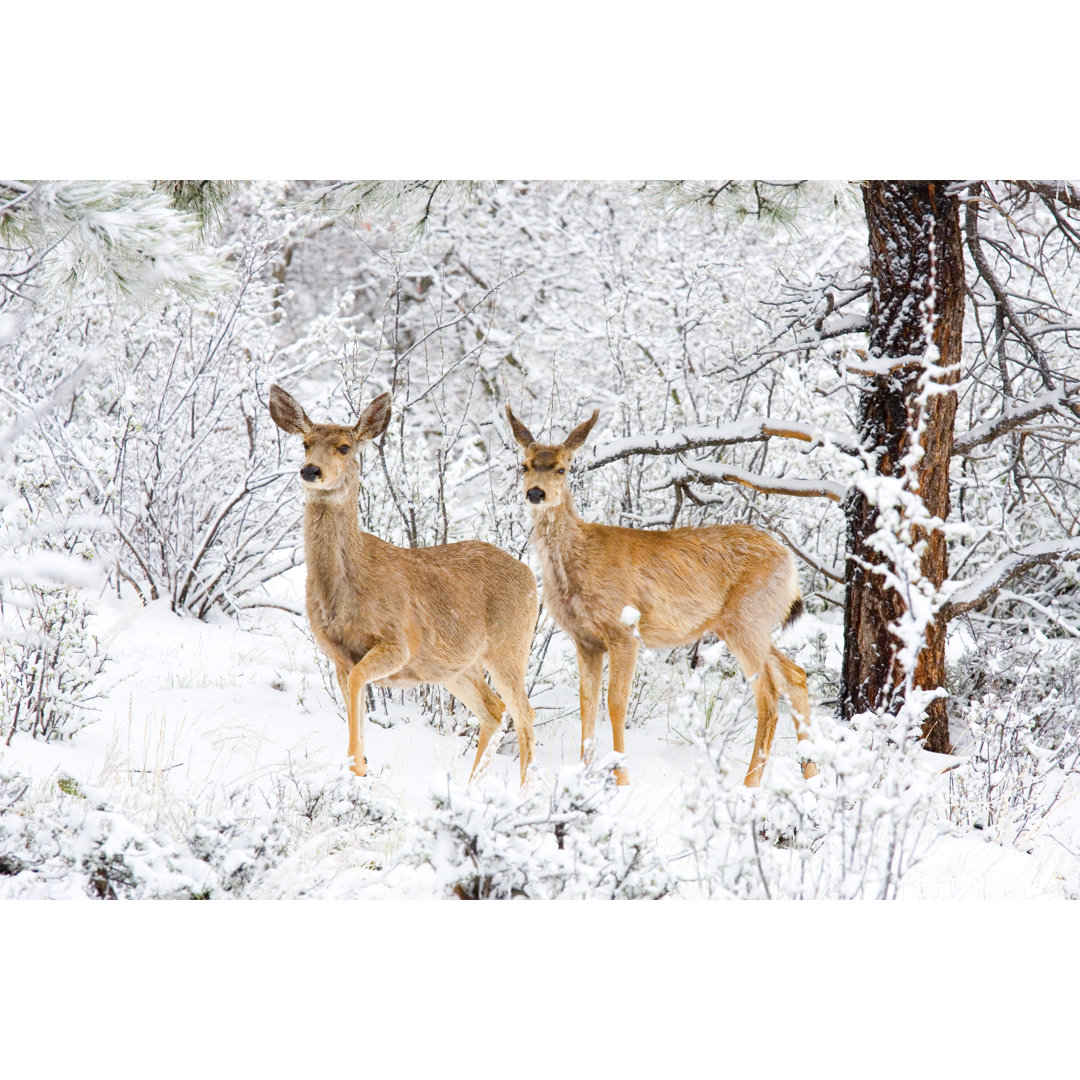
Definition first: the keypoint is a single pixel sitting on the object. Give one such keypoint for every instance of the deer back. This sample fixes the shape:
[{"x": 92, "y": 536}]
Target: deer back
[{"x": 684, "y": 582}]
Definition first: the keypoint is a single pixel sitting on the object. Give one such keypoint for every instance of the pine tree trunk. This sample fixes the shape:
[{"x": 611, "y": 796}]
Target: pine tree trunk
[{"x": 907, "y": 221}]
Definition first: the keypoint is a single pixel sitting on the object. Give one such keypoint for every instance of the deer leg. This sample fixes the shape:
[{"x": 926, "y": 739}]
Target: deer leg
[
  {"x": 509, "y": 680},
  {"x": 379, "y": 662},
  {"x": 342, "y": 668},
  {"x": 590, "y": 664},
  {"x": 622, "y": 660},
  {"x": 794, "y": 679},
  {"x": 471, "y": 689},
  {"x": 766, "y": 694}
]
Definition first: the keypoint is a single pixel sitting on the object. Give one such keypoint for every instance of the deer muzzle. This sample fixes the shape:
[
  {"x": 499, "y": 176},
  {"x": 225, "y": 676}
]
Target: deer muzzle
[
  {"x": 535, "y": 495},
  {"x": 310, "y": 473}
]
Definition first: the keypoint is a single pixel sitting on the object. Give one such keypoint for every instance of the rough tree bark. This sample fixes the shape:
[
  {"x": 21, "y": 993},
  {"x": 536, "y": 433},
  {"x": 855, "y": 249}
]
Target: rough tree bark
[{"x": 915, "y": 246}]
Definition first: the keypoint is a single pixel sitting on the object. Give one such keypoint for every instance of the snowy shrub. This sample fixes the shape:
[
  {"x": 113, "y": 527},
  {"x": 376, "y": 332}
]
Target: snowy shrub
[
  {"x": 74, "y": 841},
  {"x": 49, "y": 660},
  {"x": 255, "y": 835},
  {"x": 1037, "y": 675},
  {"x": 1020, "y": 736},
  {"x": 198, "y": 477},
  {"x": 1011, "y": 778},
  {"x": 48, "y": 657},
  {"x": 239, "y": 843},
  {"x": 488, "y": 842},
  {"x": 599, "y": 855},
  {"x": 852, "y": 832}
]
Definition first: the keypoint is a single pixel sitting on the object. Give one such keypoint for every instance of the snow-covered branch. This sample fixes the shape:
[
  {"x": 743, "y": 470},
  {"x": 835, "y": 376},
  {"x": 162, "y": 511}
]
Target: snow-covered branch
[
  {"x": 123, "y": 234},
  {"x": 1058, "y": 191},
  {"x": 59, "y": 393},
  {"x": 1001, "y": 295},
  {"x": 698, "y": 438},
  {"x": 705, "y": 473},
  {"x": 1011, "y": 418},
  {"x": 981, "y": 589}
]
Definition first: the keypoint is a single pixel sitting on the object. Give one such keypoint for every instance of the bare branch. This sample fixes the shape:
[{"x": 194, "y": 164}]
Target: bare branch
[{"x": 832, "y": 575}]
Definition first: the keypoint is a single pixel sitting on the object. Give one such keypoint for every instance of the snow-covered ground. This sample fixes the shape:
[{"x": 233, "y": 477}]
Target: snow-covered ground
[
  {"x": 205, "y": 726},
  {"x": 196, "y": 712}
]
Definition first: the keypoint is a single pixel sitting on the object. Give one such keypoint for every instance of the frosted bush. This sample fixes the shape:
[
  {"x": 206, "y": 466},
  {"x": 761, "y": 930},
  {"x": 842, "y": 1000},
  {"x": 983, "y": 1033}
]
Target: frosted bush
[
  {"x": 249, "y": 840},
  {"x": 1019, "y": 734},
  {"x": 1012, "y": 776},
  {"x": 852, "y": 832},
  {"x": 488, "y": 842},
  {"x": 49, "y": 660},
  {"x": 75, "y": 842}
]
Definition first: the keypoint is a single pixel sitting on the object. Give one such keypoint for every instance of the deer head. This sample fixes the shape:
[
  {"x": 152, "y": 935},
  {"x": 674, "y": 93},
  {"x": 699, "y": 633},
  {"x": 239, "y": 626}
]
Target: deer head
[
  {"x": 331, "y": 451},
  {"x": 544, "y": 467}
]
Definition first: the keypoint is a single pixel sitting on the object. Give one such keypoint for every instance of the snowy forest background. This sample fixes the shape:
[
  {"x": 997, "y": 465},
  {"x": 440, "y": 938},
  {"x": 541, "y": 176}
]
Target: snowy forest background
[{"x": 169, "y": 729}]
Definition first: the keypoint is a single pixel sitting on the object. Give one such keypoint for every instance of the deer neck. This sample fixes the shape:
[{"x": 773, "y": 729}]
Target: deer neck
[
  {"x": 332, "y": 536},
  {"x": 557, "y": 534}
]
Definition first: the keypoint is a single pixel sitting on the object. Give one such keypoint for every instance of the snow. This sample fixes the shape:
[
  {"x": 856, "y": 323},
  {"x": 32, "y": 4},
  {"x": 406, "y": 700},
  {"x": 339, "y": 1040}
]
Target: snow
[{"x": 197, "y": 715}]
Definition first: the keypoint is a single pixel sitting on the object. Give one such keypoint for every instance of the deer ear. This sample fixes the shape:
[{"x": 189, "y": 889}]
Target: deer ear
[
  {"x": 374, "y": 418},
  {"x": 521, "y": 432},
  {"x": 576, "y": 439},
  {"x": 287, "y": 413}
]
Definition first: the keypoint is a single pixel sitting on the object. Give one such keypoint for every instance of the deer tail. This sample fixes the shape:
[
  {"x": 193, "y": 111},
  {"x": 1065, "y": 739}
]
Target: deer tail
[{"x": 794, "y": 612}]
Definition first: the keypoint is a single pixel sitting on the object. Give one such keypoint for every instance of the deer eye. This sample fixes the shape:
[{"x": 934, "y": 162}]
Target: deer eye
[
  {"x": 343, "y": 449},
  {"x": 560, "y": 471},
  {"x": 306, "y": 446},
  {"x": 526, "y": 467}
]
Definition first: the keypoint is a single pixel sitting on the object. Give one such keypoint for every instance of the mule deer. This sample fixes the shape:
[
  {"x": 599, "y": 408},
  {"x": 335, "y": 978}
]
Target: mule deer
[
  {"x": 402, "y": 616},
  {"x": 612, "y": 588}
]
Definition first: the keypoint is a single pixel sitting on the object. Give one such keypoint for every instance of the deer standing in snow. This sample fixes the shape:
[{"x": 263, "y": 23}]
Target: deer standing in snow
[
  {"x": 612, "y": 588},
  {"x": 402, "y": 616}
]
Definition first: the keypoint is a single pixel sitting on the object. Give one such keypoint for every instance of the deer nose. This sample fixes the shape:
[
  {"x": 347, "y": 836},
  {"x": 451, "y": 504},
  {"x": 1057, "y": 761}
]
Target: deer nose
[
  {"x": 310, "y": 472},
  {"x": 535, "y": 495}
]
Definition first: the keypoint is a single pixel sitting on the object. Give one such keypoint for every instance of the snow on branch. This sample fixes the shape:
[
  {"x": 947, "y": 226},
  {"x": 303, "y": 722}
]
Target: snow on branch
[
  {"x": 1056, "y": 190},
  {"x": 1013, "y": 417},
  {"x": 982, "y": 588},
  {"x": 705, "y": 473},
  {"x": 59, "y": 393},
  {"x": 847, "y": 324},
  {"x": 881, "y": 366},
  {"x": 697, "y": 438},
  {"x": 125, "y": 235},
  {"x": 1001, "y": 295}
]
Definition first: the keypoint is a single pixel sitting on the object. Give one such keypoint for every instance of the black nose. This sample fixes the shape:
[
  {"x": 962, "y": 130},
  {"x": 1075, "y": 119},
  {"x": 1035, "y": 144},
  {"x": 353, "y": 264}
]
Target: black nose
[
  {"x": 535, "y": 495},
  {"x": 310, "y": 472}
]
